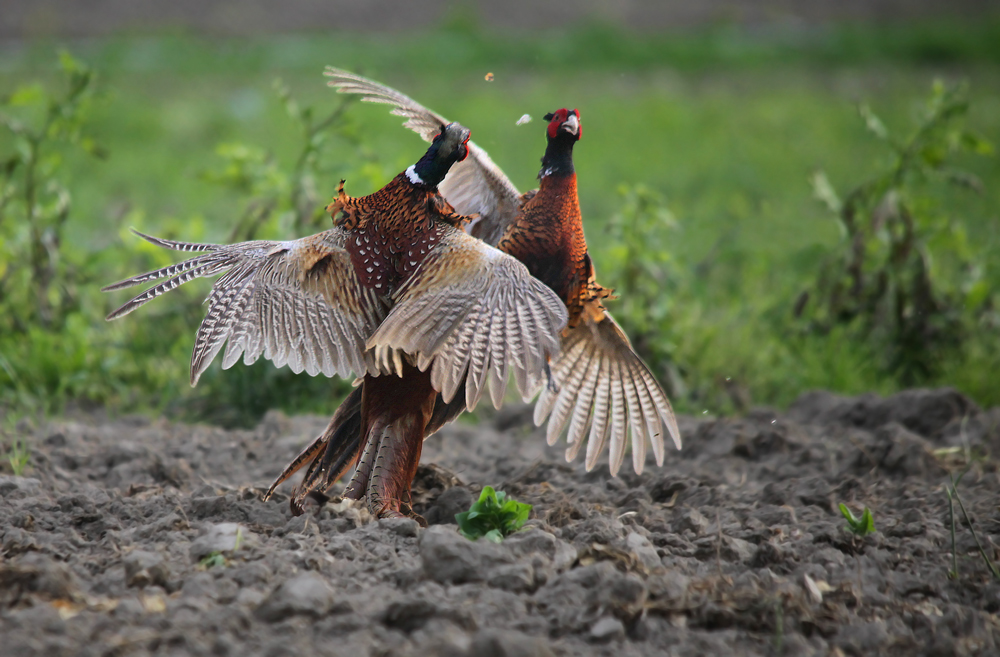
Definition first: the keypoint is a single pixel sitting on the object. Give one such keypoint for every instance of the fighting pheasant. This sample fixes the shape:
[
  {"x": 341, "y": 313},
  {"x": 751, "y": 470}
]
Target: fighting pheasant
[
  {"x": 599, "y": 383},
  {"x": 397, "y": 293}
]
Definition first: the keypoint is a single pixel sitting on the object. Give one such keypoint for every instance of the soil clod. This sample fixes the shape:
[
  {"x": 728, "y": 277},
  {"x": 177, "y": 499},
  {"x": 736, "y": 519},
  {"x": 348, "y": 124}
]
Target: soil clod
[{"x": 147, "y": 538}]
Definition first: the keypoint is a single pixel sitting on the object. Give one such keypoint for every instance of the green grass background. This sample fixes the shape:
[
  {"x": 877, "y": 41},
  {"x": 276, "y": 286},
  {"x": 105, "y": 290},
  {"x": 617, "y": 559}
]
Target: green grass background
[{"x": 727, "y": 125}]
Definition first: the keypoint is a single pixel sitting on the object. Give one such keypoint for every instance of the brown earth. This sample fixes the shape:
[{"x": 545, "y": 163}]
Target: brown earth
[{"x": 735, "y": 546}]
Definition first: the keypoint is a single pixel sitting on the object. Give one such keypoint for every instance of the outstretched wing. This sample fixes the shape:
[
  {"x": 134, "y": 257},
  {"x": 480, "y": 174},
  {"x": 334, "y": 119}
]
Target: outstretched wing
[
  {"x": 603, "y": 385},
  {"x": 297, "y": 303},
  {"x": 470, "y": 312},
  {"x": 474, "y": 186}
]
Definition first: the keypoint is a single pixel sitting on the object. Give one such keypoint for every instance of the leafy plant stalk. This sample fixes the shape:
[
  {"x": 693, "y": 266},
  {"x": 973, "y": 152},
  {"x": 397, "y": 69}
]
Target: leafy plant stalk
[
  {"x": 779, "y": 627},
  {"x": 992, "y": 567},
  {"x": 288, "y": 196},
  {"x": 904, "y": 278},
  {"x": 954, "y": 550},
  {"x": 34, "y": 206},
  {"x": 638, "y": 258}
]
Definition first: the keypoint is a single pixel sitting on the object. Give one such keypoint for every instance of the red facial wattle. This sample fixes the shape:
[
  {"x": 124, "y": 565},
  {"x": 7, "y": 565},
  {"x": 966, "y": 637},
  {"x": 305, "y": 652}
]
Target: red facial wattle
[
  {"x": 465, "y": 148},
  {"x": 557, "y": 120}
]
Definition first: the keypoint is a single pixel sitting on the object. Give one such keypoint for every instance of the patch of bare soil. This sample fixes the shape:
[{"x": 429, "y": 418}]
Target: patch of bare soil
[{"x": 132, "y": 537}]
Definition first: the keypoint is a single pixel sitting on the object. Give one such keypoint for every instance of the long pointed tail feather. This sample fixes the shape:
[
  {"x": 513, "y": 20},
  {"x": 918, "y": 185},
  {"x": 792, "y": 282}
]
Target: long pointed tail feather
[
  {"x": 170, "y": 270},
  {"x": 199, "y": 267},
  {"x": 328, "y": 456},
  {"x": 174, "y": 245}
]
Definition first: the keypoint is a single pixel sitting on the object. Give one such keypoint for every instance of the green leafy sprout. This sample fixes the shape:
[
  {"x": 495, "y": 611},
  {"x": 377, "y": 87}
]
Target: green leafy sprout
[
  {"x": 212, "y": 559},
  {"x": 494, "y": 516},
  {"x": 18, "y": 456},
  {"x": 218, "y": 557},
  {"x": 862, "y": 526}
]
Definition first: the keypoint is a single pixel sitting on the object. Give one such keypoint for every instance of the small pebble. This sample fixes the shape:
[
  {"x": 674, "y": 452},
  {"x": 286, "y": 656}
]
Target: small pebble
[{"x": 607, "y": 629}]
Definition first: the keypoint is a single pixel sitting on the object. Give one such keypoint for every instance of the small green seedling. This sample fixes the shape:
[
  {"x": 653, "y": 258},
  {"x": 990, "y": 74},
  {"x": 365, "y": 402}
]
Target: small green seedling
[
  {"x": 18, "y": 456},
  {"x": 493, "y": 516},
  {"x": 862, "y": 526},
  {"x": 218, "y": 558},
  {"x": 239, "y": 539},
  {"x": 211, "y": 560}
]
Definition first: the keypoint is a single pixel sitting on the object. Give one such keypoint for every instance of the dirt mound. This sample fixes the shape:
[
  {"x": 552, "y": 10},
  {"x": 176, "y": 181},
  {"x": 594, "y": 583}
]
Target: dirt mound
[{"x": 133, "y": 537}]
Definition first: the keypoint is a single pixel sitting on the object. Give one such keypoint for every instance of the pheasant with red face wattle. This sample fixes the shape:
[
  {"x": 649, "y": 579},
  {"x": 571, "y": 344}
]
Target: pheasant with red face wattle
[
  {"x": 600, "y": 385},
  {"x": 396, "y": 293},
  {"x": 599, "y": 380},
  {"x": 547, "y": 234}
]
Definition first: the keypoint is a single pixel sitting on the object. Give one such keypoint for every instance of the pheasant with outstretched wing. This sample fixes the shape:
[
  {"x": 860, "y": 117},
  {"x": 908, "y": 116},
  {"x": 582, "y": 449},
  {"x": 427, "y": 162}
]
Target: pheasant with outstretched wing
[
  {"x": 602, "y": 393},
  {"x": 358, "y": 298}
]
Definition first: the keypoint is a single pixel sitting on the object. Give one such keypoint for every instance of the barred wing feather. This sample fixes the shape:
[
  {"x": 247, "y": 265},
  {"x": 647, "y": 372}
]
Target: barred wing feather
[
  {"x": 474, "y": 186},
  {"x": 479, "y": 188},
  {"x": 472, "y": 317},
  {"x": 603, "y": 385},
  {"x": 295, "y": 303}
]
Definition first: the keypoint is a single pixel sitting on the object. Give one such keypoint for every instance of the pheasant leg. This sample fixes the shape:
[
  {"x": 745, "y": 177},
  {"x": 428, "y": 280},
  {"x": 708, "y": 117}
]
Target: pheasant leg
[{"x": 395, "y": 412}]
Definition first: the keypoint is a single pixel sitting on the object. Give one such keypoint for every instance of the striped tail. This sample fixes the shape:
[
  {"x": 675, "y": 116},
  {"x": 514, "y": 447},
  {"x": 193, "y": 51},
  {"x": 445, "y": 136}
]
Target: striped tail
[{"x": 603, "y": 385}]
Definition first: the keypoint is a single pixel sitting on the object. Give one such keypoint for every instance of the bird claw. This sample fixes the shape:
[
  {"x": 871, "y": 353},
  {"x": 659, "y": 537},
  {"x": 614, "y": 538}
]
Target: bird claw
[
  {"x": 398, "y": 509},
  {"x": 302, "y": 501}
]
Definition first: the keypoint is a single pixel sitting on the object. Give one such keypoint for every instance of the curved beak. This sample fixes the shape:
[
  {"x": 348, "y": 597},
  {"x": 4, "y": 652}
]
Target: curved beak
[
  {"x": 456, "y": 139},
  {"x": 571, "y": 125}
]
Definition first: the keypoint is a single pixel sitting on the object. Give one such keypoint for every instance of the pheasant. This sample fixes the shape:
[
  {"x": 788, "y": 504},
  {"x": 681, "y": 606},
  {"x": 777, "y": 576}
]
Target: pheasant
[
  {"x": 396, "y": 293},
  {"x": 599, "y": 383}
]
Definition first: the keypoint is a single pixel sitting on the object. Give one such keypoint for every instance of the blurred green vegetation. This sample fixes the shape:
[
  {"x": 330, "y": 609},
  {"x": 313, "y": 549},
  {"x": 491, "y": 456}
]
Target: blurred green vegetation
[{"x": 697, "y": 176}]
